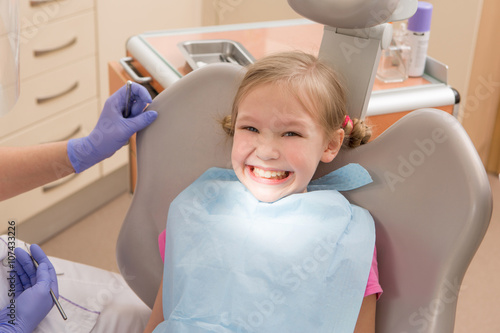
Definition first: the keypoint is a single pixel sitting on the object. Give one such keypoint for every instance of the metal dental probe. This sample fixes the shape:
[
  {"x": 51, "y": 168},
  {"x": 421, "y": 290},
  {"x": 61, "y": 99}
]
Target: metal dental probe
[
  {"x": 128, "y": 105},
  {"x": 54, "y": 298}
]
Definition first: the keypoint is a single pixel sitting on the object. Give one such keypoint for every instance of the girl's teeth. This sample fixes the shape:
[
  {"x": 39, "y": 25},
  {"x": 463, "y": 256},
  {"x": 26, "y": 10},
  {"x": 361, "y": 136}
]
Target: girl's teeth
[{"x": 269, "y": 174}]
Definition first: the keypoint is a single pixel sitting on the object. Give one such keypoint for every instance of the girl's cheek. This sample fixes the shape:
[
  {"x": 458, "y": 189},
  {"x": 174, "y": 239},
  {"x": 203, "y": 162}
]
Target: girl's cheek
[
  {"x": 296, "y": 153},
  {"x": 244, "y": 140},
  {"x": 241, "y": 144}
]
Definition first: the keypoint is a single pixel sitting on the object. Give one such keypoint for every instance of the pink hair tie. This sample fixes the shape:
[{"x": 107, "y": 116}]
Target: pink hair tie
[{"x": 348, "y": 120}]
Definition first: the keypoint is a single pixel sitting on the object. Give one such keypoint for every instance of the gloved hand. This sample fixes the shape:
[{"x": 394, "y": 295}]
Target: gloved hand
[
  {"x": 112, "y": 130},
  {"x": 32, "y": 301}
]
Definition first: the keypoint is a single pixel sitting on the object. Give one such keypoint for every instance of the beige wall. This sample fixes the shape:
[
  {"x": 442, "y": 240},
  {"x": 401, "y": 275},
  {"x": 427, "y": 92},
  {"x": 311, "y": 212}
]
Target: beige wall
[
  {"x": 243, "y": 11},
  {"x": 454, "y": 28},
  {"x": 465, "y": 36},
  {"x": 482, "y": 105},
  {"x": 117, "y": 20}
]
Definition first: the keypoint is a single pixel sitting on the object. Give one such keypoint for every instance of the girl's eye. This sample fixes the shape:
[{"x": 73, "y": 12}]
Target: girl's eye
[
  {"x": 251, "y": 129},
  {"x": 291, "y": 134}
]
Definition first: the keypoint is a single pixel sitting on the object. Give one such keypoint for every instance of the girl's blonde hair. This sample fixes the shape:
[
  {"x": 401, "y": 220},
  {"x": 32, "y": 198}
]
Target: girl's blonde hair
[{"x": 314, "y": 84}]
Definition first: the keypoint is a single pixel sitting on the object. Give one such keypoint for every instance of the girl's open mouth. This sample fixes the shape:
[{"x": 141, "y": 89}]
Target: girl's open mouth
[{"x": 268, "y": 176}]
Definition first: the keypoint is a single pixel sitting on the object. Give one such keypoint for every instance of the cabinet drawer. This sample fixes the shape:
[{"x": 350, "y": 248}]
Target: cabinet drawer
[
  {"x": 5, "y": 27},
  {"x": 8, "y": 75},
  {"x": 76, "y": 122},
  {"x": 36, "y": 13},
  {"x": 49, "y": 93},
  {"x": 118, "y": 160},
  {"x": 57, "y": 44}
]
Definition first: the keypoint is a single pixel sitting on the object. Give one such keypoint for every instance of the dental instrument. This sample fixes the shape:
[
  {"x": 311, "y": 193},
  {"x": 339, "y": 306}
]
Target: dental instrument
[
  {"x": 54, "y": 298},
  {"x": 128, "y": 105}
]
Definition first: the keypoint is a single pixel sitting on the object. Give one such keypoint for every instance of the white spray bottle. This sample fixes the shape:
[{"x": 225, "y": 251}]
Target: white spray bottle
[{"x": 419, "y": 26}]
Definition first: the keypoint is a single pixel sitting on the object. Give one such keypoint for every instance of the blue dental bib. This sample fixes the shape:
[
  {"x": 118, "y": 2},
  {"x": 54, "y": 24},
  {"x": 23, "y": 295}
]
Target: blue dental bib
[{"x": 235, "y": 264}]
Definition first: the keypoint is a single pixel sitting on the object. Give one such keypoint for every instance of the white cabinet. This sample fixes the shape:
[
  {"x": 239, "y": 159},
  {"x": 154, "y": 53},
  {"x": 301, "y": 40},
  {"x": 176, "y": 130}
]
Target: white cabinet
[
  {"x": 58, "y": 97},
  {"x": 36, "y": 13},
  {"x": 65, "y": 125},
  {"x": 59, "y": 43},
  {"x": 65, "y": 46},
  {"x": 69, "y": 86}
]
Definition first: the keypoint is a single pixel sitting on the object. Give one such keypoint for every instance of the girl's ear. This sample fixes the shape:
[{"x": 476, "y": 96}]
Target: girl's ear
[{"x": 333, "y": 146}]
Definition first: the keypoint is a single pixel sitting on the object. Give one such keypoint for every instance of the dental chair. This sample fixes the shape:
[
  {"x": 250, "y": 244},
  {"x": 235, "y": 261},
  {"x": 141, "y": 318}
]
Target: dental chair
[{"x": 430, "y": 197}]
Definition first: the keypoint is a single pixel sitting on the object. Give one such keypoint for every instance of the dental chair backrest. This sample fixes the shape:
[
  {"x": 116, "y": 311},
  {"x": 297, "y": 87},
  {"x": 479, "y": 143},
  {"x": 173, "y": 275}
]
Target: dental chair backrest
[{"x": 430, "y": 198}]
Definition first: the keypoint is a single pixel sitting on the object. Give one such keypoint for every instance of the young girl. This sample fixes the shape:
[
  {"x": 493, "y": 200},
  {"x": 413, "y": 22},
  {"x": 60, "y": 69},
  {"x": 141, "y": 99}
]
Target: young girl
[{"x": 261, "y": 248}]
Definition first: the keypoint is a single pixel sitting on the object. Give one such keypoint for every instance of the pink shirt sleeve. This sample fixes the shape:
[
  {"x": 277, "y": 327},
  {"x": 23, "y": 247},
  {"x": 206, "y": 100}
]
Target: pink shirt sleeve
[
  {"x": 372, "y": 287},
  {"x": 162, "y": 239}
]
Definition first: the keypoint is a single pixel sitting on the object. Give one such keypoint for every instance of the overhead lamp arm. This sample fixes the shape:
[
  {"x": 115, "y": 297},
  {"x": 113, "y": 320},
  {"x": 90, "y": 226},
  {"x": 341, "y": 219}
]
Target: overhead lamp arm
[{"x": 355, "y": 33}]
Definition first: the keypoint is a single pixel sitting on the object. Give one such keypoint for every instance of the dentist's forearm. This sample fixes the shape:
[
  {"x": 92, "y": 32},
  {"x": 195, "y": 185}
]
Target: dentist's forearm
[{"x": 25, "y": 168}]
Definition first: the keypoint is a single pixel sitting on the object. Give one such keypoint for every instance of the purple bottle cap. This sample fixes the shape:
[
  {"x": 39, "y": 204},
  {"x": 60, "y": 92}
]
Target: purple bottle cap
[{"x": 421, "y": 21}]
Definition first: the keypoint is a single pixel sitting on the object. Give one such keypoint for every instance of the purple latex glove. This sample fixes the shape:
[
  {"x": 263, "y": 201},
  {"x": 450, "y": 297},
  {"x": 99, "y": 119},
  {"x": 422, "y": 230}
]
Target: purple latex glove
[
  {"x": 32, "y": 301},
  {"x": 112, "y": 130}
]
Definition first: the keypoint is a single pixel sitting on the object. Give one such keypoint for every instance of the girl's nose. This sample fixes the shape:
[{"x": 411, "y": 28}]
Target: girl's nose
[{"x": 267, "y": 149}]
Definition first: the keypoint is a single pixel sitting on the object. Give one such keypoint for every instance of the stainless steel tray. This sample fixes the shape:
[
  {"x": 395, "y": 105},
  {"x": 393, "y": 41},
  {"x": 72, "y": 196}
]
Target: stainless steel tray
[{"x": 199, "y": 53}]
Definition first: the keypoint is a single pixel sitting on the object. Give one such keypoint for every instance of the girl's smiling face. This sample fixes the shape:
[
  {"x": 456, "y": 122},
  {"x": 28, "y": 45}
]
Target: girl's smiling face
[{"x": 277, "y": 145}]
